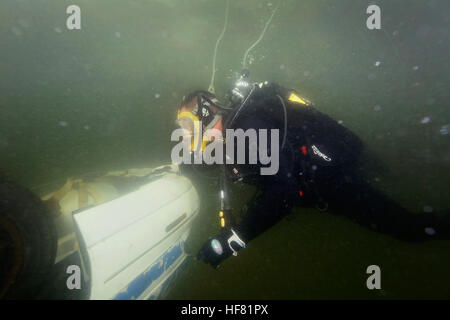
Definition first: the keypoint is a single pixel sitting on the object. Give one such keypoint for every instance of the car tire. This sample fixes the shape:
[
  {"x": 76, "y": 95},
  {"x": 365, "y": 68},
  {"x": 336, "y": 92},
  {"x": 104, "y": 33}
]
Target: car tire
[{"x": 28, "y": 241}]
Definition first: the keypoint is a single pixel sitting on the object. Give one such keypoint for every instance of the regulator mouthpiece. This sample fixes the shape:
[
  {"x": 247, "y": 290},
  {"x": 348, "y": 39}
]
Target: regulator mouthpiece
[{"x": 242, "y": 87}]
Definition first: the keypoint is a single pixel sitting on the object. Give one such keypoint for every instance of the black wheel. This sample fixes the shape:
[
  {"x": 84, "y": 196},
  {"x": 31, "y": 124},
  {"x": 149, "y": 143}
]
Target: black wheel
[{"x": 28, "y": 242}]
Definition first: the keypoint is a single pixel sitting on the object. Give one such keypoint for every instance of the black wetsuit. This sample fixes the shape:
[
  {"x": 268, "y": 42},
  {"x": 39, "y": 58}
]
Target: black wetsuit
[{"x": 319, "y": 167}]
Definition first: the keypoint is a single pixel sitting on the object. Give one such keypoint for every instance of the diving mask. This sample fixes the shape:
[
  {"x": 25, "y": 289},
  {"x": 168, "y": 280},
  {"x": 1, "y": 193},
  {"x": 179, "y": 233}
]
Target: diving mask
[
  {"x": 192, "y": 126},
  {"x": 199, "y": 120}
]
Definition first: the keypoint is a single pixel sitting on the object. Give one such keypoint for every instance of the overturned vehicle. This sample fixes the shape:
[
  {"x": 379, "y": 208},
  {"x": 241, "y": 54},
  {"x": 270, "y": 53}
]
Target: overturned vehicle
[{"x": 118, "y": 235}]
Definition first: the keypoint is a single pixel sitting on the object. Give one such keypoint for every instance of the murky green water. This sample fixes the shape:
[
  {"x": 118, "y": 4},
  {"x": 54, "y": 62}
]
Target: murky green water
[{"x": 105, "y": 97}]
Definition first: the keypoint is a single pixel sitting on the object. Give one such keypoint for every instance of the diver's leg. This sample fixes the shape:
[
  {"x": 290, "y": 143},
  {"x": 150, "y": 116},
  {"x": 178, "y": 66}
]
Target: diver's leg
[{"x": 371, "y": 208}]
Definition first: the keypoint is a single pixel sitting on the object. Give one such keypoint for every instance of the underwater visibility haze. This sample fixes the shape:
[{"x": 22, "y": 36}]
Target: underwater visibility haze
[{"x": 105, "y": 97}]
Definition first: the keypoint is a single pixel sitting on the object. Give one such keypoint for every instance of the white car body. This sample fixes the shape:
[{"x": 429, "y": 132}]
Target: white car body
[{"x": 132, "y": 245}]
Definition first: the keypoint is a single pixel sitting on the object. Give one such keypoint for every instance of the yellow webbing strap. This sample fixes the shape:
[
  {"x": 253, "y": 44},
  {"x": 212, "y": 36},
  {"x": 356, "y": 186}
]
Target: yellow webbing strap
[
  {"x": 295, "y": 98},
  {"x": 82, "y": 195},
  {"x": 97, "y": 197}
]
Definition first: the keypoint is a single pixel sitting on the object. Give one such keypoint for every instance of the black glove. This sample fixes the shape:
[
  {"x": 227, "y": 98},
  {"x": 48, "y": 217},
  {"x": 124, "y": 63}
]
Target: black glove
[{"x": 215, "y": 250}]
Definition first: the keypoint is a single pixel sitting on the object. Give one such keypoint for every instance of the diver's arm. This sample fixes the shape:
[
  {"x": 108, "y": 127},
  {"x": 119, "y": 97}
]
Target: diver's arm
[
  {"x": 269, "y": 206},
  {"x": 274, "y": 200},
  {"x": 276, "y": 192}
]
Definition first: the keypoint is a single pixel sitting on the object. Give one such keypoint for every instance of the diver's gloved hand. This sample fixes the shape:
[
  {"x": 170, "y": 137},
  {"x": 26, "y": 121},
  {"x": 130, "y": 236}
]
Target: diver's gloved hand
[{"x": 217, "y": 249}]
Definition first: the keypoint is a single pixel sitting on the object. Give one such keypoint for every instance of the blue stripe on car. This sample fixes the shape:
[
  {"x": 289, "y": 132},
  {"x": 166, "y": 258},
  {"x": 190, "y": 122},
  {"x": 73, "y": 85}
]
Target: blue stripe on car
[{"x": 145, "y": 279}]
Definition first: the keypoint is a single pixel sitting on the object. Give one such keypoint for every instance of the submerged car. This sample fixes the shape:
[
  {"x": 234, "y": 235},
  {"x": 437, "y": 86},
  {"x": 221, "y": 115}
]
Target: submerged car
[{"x": 122, "y": 232}]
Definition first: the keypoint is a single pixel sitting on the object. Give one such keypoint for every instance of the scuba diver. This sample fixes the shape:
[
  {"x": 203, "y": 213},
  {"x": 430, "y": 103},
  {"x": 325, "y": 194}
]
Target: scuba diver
[{"x": 319, "y": 164}]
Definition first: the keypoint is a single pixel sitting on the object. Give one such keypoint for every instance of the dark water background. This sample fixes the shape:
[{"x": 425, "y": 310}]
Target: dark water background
[{"x": 105, "y": 97}]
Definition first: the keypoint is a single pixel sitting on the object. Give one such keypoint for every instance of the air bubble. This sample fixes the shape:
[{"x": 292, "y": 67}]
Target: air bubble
[{"x": 425, "y": 120}]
